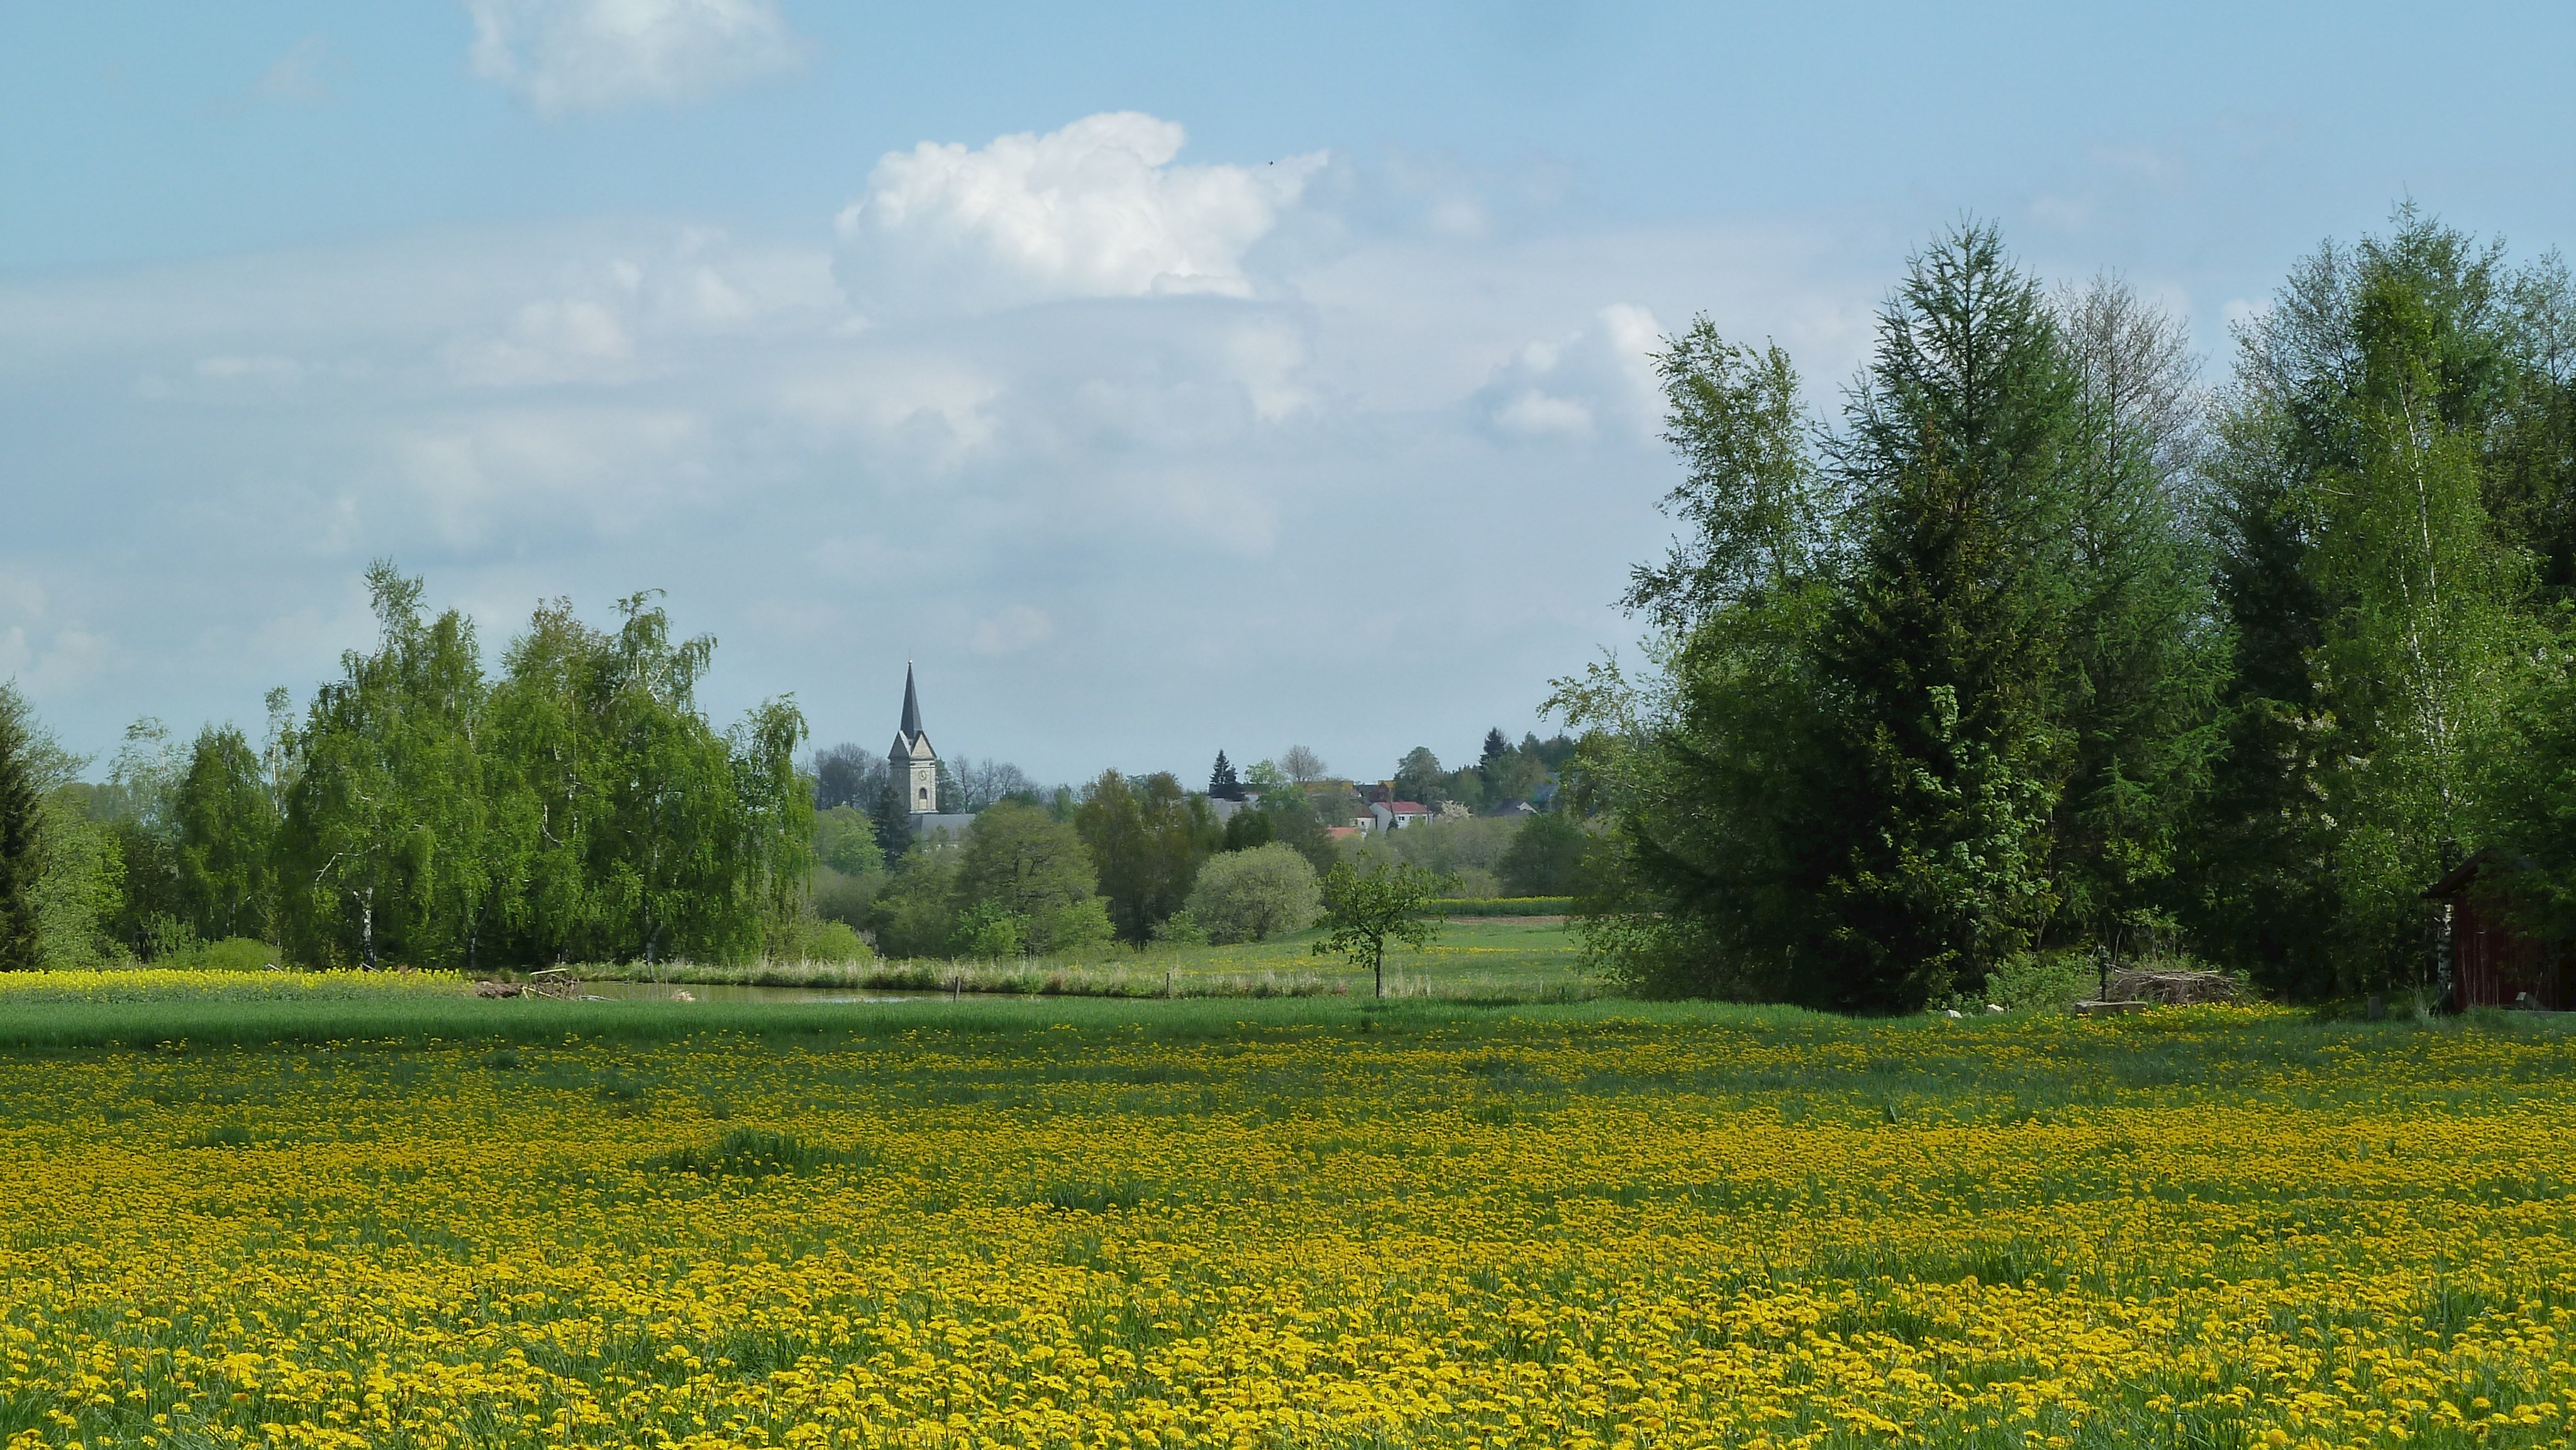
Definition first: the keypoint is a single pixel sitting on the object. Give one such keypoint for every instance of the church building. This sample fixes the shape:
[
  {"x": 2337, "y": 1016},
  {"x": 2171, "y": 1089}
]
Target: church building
[{"x": 913, "y": 764}]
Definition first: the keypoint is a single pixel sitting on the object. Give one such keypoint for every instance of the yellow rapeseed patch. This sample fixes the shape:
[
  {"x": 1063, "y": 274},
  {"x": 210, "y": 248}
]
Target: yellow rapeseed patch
[
  {"x": 1579, "y": 1234},
  {"x": 152, "y": 984}
]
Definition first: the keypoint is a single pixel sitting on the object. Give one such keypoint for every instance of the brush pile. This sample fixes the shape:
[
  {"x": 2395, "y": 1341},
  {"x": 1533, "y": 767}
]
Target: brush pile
[{"x": 2172, "y": 987}]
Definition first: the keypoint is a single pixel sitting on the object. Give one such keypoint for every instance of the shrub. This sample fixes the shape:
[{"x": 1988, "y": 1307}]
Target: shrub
[
  {"x": 989, "y": 929},
  {"x": 1180, "y": 929},
  {"x": 813, "y": 939},
  {"x": 1255, "y": 895},
  {"x": 2038, "y": 979},
  {"x": 1069, "y": 926}
]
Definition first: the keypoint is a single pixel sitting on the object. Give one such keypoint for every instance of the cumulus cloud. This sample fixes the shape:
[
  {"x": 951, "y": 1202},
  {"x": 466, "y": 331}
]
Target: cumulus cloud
[
  {"x": 565, "y": 56},
  {"x": 566, "y": 340},
  {"x": 1570, "y": 387},
  {"x": 1149, "y": 515},
  {"x": 1097, "y": 209}
]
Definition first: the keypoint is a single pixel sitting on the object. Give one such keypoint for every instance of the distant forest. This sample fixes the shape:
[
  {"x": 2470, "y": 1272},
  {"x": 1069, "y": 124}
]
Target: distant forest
[{"x": 2048, "y": 649}]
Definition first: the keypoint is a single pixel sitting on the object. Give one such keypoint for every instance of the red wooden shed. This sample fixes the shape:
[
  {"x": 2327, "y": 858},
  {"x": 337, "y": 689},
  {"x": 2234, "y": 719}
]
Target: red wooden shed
[{"x": 2493, "y": 962}]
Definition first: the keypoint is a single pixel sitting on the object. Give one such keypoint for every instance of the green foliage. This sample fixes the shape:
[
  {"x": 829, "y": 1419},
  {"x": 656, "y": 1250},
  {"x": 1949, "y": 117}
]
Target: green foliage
[
  {"x": 1255, "y": 895},
  {"x": 845, "y": 840},
  {"x": 2530, "y": 781},
  {"x": 1926, "y": 694},
  {"x": 2041, "y": 980},
  {"x": 815, "y": 939},
  {"x": 227, "y": 837},
  {"x": 988, "y": 930},
  {"x": 1545, "y": 857},
  {"x": 1420, "y": 777},
  {"x": 1363, "y": 911},
  {"x": 1181, "y": 929},
  {"x": 1147, "y": 838},
  {"x": 2392, "y": 477},
  {"x": 422, "y": 814},
  {"x": 1022, "y": 866},
  {"x": 849, "y": 899},
  {"x": 1247, "y": 829},
  {"x": 22, "y": 804},
  {"x": 1507, "y": 906},
  {"x": 80, "y": 891},
  {"x": 916, "y": 914}
]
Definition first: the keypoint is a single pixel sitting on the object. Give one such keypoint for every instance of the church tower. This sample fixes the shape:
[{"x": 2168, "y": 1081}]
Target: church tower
[{"x": 914, "y": 764}]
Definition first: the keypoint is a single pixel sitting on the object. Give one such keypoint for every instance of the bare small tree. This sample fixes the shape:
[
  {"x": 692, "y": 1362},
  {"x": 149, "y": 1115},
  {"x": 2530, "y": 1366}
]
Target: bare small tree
[
  {"x": 983, "y": 783},
  {"x": 1303, "y": 765},
  {"x": 2139, "y": 407}
]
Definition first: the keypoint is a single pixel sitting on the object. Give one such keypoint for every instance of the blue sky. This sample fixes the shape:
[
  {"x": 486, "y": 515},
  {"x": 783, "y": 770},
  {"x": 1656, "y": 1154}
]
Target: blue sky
[{"x": 1160, "y": 378}]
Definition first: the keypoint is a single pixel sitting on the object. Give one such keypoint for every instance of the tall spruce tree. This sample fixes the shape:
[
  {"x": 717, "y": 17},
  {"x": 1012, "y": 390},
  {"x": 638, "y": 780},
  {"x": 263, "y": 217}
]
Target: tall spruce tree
[
  {"x": 22, "y": 805},
  {"x": 1938, "y": 660},
  {"x": 1932, "y": 691},
  {"x": 2145, "y": 654}
]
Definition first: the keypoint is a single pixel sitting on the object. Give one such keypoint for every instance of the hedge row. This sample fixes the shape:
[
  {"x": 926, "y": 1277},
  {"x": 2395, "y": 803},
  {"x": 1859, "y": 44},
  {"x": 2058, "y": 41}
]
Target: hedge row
[{"x": 1508, "y": 906}]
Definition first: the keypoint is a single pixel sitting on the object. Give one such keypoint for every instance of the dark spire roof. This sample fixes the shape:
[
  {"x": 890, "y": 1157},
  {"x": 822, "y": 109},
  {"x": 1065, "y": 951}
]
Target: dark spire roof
[{"x": 911, "y": 704}]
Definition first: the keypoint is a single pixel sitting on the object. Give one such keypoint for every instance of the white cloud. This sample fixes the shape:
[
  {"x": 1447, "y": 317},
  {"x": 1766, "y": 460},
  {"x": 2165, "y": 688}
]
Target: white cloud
[
  {"x": 1096, "y": 209},
  {"x": 1533, "y": 412},
  {"x": 555, "y": 341},
  {"x": 1014, "y": 630},
  {"x": 1156, "y": 516},
  {"x": 564, "y": 56},
  {"x": 1569, "y": 386}
]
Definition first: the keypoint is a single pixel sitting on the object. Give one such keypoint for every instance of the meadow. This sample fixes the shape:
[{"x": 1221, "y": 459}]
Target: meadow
[
  {"x": 1498, "y": 959},
  {"x": 1281, "y": 1222}
]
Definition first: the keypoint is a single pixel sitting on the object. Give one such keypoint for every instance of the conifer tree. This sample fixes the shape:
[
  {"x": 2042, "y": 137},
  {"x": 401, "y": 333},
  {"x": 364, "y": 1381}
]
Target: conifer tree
[
  {"x": 1938, "y": 658},
  {"x": 21, "y": 843}
]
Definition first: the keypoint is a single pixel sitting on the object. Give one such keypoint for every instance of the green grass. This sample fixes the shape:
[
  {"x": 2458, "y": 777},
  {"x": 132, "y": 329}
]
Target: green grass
[
  {"x": 1489, "y": 960},
  {"x": 1901, "y": 1069}
]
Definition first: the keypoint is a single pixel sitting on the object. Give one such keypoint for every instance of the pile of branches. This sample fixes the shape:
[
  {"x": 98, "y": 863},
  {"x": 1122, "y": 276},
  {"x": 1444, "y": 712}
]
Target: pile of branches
[
  {"x": 2173, "y": 987},
  {"x": 555, "y": 982}
]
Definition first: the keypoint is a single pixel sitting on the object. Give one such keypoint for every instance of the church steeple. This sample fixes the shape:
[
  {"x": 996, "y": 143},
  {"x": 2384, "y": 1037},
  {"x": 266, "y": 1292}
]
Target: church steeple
[
  {"x": 913, "y": 761},
  {"x": 911, "y": 703}
]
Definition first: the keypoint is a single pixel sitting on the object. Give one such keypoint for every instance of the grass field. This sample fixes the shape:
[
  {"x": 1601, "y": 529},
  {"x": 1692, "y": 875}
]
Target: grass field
[
  {"x": 1284, "y": 1222},
  {"x": 1486, "y": 960}
]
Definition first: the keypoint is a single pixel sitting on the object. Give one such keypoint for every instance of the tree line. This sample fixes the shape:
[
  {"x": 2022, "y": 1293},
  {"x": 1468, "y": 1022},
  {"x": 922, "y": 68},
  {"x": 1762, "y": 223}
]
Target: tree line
[
  {"x": 2043, "y": 648},
  {"x": 577, "y": 806}
]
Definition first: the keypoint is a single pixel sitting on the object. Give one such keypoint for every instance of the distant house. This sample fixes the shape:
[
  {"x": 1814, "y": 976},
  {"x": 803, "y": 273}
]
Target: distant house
[
  {"x": 2492, "y": 962},
  {"x": 1512, "y": 808},
  {"x": 1396, "y": 815}
]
